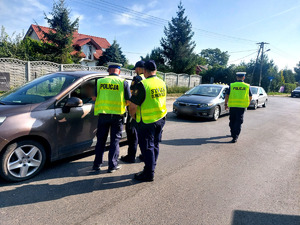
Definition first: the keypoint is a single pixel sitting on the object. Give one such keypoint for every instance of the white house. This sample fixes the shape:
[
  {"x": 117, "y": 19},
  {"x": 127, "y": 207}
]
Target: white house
[{"x": 90, "y": 48}]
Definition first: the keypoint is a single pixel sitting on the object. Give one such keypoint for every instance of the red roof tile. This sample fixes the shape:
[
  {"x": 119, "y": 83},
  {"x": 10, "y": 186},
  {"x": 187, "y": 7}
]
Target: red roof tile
[
  {"x": 78, "y": 39},
  {"x": 98, "y": 54},
  {"x": 81, "y": 54}
]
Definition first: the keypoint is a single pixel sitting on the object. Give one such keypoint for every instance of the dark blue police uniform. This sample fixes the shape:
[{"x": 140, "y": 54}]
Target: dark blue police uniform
[
  {"x": 236, "y": 117},
  {"x": 131, "y": 130},
  {"x": 115, "y": 124},
  {"x": 149, "y": 136}
]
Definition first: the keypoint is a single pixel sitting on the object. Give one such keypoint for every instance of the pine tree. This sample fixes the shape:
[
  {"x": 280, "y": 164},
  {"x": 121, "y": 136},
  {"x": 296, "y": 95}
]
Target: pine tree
[
  {"x": 158, "y": 56},
  {"x": 62, "y": 37},
  {"x": 113, "y": 54},
  {"x": 177, "y": 44}
]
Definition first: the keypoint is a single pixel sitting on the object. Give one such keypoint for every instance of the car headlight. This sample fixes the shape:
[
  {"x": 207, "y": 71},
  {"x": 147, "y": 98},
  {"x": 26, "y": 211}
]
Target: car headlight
[
  {"x": 2, "y": 119},
  {"x": 205, "y": 105},
  {"x": 176, "y": 102}
]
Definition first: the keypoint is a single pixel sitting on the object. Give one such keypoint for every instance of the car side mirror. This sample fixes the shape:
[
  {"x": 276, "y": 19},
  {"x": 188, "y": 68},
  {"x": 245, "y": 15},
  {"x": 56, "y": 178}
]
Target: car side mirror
[{"x": 72, "y": 103}]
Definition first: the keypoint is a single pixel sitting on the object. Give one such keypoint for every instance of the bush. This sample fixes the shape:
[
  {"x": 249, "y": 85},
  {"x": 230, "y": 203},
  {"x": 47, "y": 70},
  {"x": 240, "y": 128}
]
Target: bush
[
  {"x": 176, "y": 89},
  {"x": 289, "y": 87}
]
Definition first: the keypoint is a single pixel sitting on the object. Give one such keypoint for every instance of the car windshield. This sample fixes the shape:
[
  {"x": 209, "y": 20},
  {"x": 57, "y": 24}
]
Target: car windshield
[
  {"x": 298, "y": 89},
  {"x": 254, "y": 90},
  {"x": 210, "y": 91},
  {"x": 38, "y": 90}
]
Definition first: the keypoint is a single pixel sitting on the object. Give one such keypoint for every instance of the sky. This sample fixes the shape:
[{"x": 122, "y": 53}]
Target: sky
[{"x": 232, "y": 25}]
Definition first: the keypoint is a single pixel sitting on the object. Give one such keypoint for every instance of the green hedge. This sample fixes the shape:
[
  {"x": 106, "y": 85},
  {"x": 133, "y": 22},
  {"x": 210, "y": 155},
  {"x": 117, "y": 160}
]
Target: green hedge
[
  {"x": 288, "y": 87},
  {"x": 176, "y": 89}
]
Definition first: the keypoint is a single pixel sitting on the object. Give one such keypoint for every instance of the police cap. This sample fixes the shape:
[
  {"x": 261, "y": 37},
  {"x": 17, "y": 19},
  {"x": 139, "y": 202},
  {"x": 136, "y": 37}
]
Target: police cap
[
  {"x": 150, "y": 65},
  {"x": 241, "y": 74},
  {"x": 139, "y": 64},
  {"x": 114, "y": 65}
]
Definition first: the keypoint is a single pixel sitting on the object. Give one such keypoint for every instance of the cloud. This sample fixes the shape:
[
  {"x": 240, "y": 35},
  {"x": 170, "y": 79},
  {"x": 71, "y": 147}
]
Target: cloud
[
  {"x": 127, "y": 19},
  {"x": 138, "y": 8},
  {"x": 99, "y": 17},
  {"x": 75, "y": 15},
  {"x": 270, "y": 17},
  {"x": 134, "y": 19},
  {"x": 152, "y": 4},
  {"x": 18, "y": 15}
]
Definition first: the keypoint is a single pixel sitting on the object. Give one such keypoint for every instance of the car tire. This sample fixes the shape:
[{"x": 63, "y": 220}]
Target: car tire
[
  {"x": 22, "y": 160},
  {"x": 255, "y": 105},
  {"x": 265, "y": 104},
  {"x": 216, "y": 113}
]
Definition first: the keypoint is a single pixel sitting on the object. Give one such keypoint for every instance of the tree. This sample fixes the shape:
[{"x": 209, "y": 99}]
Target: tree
[
  {"x": 62, "y": 36},
  {"x": 158, "y": 56},
  {"x": 215, "y": 57},
  {"x": 113, "y": 54},
  {"x": 177, "y": 45},
  {"x": 297, "y": 70},
  {"x": 289, "y": 76}
]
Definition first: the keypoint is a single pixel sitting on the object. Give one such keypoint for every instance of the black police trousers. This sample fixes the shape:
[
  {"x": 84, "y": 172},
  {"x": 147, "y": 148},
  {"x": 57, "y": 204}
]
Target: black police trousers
[
  {"x": 236, "y": 119},
  {"x": 149, "y": 138},
  {"x": 132, "y": 137},
  {"x": 114, "y": 123}
]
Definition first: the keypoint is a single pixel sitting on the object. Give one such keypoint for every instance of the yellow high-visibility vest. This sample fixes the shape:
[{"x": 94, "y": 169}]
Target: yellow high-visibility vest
[
  {"x": 239, "y": 95},
  {"x": 154, "y": 107},
  {"x": 110, "y": 96}
]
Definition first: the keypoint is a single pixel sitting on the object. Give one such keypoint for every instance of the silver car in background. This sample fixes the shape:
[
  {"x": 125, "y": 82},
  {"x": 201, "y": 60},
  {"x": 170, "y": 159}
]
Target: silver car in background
[{"x": 259, "y": 97}]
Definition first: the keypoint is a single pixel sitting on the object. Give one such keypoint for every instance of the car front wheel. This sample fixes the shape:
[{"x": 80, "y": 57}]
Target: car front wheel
[
  {"x": 265, "y": 104},
  {"x": 256, "y": 105},
  {"x": 216, "y": 113},
  {"x": 22, "y": 160}
]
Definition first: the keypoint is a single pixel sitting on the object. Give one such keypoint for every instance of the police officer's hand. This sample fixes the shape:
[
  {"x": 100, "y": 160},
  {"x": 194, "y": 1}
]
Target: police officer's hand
[{"x": 226, "y": 107}]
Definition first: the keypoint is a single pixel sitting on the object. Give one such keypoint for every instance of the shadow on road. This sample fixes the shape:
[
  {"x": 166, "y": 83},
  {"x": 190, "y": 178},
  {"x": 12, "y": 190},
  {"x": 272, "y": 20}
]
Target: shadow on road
[
  {"x": 33, "y": 193},
  {"x": 64, "y": 168},
  {"x": 196, "y": 141},
  {"x": 189, "y": 119},
  {"x": 256, "y": 218}
]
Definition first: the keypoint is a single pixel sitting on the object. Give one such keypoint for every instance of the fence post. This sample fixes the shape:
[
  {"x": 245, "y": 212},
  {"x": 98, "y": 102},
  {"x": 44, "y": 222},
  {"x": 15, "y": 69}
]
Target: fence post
[
  {"x": 89, "y": 68},
  {"x": 28, "y": 71},
  {"x": 177, "y": 83},
  {"x": 189, "y": 81},
  {"x": 200, "y": 80},
  {"x": 61, "y": 68},
  {"x": 164, "y": 77}
]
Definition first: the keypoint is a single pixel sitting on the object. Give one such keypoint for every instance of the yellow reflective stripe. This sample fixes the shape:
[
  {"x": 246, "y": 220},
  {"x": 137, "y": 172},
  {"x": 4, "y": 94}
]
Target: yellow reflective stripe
[
  {"x": 109, "y": 107},
  {"x": 110, "y": 102},
  {"x": 145, "y": 117},
  {"x": 153, "y": 110}
]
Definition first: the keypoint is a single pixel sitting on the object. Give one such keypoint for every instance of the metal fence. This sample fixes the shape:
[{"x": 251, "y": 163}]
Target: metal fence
[{"x": 24, "y": 71}]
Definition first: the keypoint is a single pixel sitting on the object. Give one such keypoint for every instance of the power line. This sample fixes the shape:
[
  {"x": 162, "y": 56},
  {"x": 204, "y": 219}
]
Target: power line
[
  {"x": 251, "y": 50},
  {"x": 146, "y": 18},
  {"x": 242, "y": 57},
  {"x": 283, "y": 52}
]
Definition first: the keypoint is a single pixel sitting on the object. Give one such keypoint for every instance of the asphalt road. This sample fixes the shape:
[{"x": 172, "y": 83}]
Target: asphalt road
[{"x": 200, "y": 178}]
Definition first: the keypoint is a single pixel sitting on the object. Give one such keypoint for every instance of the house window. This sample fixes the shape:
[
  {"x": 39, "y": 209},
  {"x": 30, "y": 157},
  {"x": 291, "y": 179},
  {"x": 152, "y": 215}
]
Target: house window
[{"x": 89, "y": 53}]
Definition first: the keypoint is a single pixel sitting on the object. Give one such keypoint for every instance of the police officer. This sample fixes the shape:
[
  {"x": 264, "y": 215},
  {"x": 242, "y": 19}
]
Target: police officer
[
  {"x": 148, "y": 107},
  {"x": 131, "y": 124},
  {"x": 237, "y": 98},
  {"x": 113, "y": 94}
]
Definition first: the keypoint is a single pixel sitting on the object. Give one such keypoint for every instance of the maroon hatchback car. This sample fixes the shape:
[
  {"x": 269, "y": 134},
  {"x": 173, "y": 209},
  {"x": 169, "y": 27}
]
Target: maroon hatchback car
[{"x": 47, "y": 119}]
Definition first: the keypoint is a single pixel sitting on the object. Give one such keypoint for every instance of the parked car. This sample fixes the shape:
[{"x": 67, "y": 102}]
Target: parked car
[
  {"x": 206, "y": 100},
  {"x": 259, "y": 97},
  {"x": 47, "y": 119},
  {"x": 296, "y": 92}
]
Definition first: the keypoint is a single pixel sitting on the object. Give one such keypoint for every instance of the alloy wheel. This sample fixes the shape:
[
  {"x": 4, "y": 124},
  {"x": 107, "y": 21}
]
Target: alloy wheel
[{"x": 24, "y": 161}]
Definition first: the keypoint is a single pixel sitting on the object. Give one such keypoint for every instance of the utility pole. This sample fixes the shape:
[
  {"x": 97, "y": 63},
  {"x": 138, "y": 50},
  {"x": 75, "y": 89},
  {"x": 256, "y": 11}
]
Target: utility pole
[{"x": 260, "y": 50}]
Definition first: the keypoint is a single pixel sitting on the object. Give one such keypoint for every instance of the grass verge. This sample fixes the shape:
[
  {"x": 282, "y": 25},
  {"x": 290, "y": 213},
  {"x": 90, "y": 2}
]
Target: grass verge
[{"x": 278, "y": 94}]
